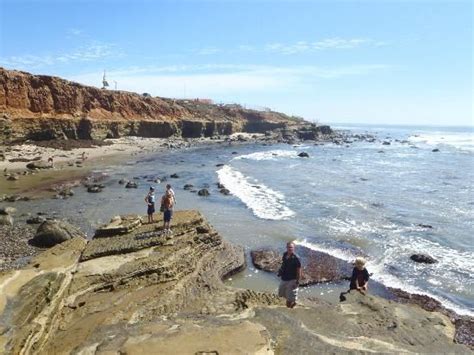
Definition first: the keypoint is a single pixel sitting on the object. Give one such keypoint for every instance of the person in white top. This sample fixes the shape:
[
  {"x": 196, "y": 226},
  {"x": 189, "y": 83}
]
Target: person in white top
[{"x": 170, "y": 190}]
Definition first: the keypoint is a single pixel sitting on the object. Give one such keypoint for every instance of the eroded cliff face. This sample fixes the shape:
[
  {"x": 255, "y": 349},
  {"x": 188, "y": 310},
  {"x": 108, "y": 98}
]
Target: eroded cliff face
[
  {"x": 40, "y": 107},
  {"x": 144, "y": 292}
]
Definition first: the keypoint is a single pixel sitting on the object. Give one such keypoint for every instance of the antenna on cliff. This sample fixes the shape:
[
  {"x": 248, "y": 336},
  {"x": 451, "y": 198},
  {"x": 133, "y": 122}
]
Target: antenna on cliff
[{"x": 105, "y": 84}]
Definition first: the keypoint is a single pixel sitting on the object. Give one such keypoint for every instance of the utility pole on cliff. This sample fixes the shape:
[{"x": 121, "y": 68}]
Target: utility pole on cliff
[{"x": 105, "y": 84}]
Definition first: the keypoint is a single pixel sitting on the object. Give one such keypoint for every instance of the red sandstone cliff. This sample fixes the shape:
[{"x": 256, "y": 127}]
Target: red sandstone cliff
[{"x": 43, "y": 107}]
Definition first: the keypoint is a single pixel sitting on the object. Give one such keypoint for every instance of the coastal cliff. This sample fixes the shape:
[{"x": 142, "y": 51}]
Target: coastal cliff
[
  {"x": 40, "y": 107},
  {"x": 144, "y": 292}
]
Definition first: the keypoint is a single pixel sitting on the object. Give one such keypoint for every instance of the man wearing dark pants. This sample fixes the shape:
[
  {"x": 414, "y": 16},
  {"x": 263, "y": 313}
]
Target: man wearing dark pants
[{"x": 290, "y": 273}]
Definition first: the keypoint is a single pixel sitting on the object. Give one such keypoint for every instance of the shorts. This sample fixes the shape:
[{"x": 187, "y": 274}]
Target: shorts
[
  {"x": 289, "y": 290},
  {"x": 151, "y": 209},
  {"x": 167, "y": 215}
]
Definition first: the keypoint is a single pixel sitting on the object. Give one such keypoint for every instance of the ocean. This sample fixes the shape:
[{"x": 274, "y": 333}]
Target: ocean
[{"x": 353, "y": 199}]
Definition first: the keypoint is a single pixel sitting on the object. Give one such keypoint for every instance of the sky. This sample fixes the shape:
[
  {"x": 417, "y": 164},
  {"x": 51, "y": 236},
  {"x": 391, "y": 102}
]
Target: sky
[{"x": 380, "y": 62}]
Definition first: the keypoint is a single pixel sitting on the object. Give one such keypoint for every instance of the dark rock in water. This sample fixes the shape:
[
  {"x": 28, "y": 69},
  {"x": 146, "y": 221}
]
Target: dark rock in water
[
  {"x": 123, "y": 181},
  {"x": 381, "y": 151},
  {"x": 203, "y": 192},
  {"x": 188, "y": 187},
  {"x": 94, "y": 189},
  {"x": 119, "y": 225},
  {"x": 35, "y": 220},
  {"x": 303, "y": 155},
  {"x": 435, "y": 150},
  {"x": 131, "y": 185},
  {"x": 220, "y": 186},
  {"x": 364, "y": 179},
  {"x": 219, "y": 165},
  {"x": 39, "y": 165},
  {"x": 423, "y": 258},
  {"x": 224, "y": 191},
  {"x": 318, "y": 266},
  {"x": 52, "y": 232},
  {"x": 424, "y": 226},
  {"x": 6, "y": 220},
  {"x": 174, "y": 176},
  {"x": 386, "y": 143},
  {"x": 234, "y": 153}
]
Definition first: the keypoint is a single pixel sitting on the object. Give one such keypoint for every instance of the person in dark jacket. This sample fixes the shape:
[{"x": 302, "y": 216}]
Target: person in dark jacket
[
  {"x": 150, "y": 202},
  {"x": 360, "y": 276},
  {"x": 290, "y": 273}
]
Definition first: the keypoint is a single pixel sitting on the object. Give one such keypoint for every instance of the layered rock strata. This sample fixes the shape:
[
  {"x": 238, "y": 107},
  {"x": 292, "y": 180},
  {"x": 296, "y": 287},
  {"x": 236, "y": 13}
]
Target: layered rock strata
[
  {"x": 39, "y": 107},
  {"x": 146, "y": 292}
]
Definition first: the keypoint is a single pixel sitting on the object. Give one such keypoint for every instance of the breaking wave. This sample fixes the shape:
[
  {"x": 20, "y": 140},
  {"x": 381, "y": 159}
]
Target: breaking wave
[{"x": 264, "y": 202}]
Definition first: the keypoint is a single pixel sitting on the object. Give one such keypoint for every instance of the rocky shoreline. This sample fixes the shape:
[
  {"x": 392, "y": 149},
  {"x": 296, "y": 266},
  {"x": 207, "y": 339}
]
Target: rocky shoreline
[{"x": 141, "y": 291}]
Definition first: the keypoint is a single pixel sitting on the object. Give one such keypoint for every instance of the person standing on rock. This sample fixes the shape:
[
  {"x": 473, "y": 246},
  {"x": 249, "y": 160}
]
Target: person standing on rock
[
  {"x": 360, "y": 276},
  {"x": 290, "y": 273},
  {"x": 150, "y": 201},
  {"x": 167, "y": 204}
]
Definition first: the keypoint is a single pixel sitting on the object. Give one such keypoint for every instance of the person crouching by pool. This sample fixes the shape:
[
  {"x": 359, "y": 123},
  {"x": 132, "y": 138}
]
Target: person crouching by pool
[
  {"x": 150, "y": 201},
  {"x": 290, "y": 273},
  {"x": 360, "y": 276},
  {"x": 167, "y": 204}
]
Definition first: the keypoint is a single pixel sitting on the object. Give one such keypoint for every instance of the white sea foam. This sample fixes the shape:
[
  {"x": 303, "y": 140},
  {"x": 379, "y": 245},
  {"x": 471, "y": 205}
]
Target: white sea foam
[
  {"x": 264, "y": 202},
  {"x": 269, "y": 155},
  {"x": 380, "y": 274},
  {"x": 462, "y": 141}
]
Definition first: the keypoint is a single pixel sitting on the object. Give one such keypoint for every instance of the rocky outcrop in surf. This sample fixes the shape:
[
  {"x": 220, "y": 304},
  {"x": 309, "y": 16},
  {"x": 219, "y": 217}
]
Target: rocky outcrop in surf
[
  {"x": 40, "y": 107},
  {"x": 144, "y": 292}
]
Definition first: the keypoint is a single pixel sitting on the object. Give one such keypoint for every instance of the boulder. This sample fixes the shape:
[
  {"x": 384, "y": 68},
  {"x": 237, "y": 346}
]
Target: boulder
[
  {"x": 131, "y": 185},
  {"x": 224, "y": 191},
  {"x": 303, "y": 155},
  {"x": 188, "y": 187},
  {"x": 435, "y": 150},
  {"x": 6, "y": 220},
  {"x": 220, "y": 186},
  {"x": 123, "y": 181},
  {"x": 94, "y": 189},
  {"x": 318, "y": 266},
  {"x": 174, "y": 176},
  {"x": 35, "y": 220},
  {"x": 423, "y": 258},
  {"x": 119, "y": 225},
  {"x": 203, "y": 192},
  {"x": 52, "y": 232},
  {"x": 66, "y": 193},
  {"x": 386, "y": 143},
  {"x": 427, "y": 226},
  {"x": 12, "y": 178},
  {"x": 40, "y": 164},
  {"x": 7, "y": 210}
]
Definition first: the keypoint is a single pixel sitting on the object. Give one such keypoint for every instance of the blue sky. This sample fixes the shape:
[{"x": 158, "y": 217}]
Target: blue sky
[{"x": 384, "y": 62}]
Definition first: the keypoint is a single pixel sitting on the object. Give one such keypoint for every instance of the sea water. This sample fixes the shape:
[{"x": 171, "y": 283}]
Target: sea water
[{"x": 347, "y": 200}]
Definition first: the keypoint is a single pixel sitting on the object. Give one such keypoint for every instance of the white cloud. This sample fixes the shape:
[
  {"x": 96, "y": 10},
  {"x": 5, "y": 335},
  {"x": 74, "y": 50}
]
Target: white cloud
[
  {"x": 333, "y": 43},
  {"x": 325, "y": 44},
  {"x": 74, "y": 32},
  {"x": 221, "y": 80},
  {"x": 91, "y": 52}
]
